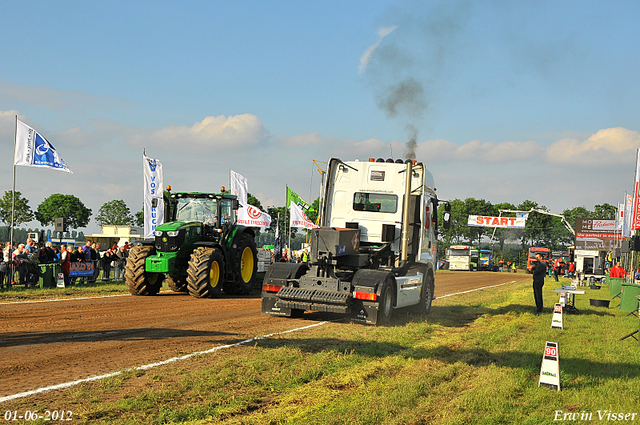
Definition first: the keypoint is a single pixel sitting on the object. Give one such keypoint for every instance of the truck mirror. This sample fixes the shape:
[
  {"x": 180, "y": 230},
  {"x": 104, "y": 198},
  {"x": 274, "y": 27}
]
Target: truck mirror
[
  {"x": 447, "y": 207},
  {"x": 447, "y": 219},
  {"x": 235, "y": 204}
]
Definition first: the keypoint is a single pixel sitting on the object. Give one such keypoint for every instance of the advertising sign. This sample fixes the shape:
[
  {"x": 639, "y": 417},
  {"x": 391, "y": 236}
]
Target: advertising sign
[{"x": 596, "y": 234}]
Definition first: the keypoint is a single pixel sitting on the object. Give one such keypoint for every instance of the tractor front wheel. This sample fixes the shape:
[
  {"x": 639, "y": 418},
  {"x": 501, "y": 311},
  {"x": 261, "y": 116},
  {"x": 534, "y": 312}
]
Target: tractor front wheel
[
  {"x": 138, "y": 281},
  {"x": 205, "y": 272}
]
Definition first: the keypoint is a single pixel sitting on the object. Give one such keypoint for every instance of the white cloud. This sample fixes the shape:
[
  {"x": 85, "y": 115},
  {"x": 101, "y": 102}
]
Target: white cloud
[
  {"x": 238, "y": 131},
  {"x": 606, "y": 147},
  {"x": 368, "y": 53}
]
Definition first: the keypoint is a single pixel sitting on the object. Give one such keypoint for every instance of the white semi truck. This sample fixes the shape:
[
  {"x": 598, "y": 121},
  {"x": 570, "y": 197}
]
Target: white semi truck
[{"x": 375, "y": 250}]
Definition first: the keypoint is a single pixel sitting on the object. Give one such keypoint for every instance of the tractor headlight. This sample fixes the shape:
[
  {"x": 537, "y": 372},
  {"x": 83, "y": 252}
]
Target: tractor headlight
[
  {"x": 158, "y": 233},
  {"x": 173, "y": 233}
]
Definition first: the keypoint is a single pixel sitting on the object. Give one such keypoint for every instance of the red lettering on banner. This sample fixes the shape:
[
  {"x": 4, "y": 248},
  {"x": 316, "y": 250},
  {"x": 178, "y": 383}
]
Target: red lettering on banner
[
  {"x": 479, "y": 219},
  {"x": 495, "y": 222},
  {"x": 504, "y": 221}
]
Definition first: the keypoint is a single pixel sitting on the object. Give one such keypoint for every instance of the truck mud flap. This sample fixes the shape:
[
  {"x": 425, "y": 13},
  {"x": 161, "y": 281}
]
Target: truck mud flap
[
  {"x": 269, "y": 307},
  {"x": 365, "y": 312},
  {"x": 313, "y": 299}
]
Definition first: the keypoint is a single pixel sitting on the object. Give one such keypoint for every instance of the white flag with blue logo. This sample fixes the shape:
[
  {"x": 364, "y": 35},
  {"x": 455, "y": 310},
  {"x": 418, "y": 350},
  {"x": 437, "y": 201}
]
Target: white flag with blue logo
[
  {"x": 33, "y": 150},
  {"x": 153, "y": 195}
]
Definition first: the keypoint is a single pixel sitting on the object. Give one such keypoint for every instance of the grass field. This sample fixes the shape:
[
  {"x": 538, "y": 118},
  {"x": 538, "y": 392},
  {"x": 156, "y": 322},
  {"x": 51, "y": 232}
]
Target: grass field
[
  {"x": 475, "y": 360},
  {"x": 22, "y": 293}
]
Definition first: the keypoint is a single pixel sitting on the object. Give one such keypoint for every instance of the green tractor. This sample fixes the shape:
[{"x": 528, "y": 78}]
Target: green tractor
[{"x": 200, "y": 250}]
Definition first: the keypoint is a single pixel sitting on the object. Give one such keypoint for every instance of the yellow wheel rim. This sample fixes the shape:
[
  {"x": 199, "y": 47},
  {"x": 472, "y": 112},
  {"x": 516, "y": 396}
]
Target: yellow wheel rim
[
  {"x": 246, "y": 265},
  {"x": 214, "y": 274}
]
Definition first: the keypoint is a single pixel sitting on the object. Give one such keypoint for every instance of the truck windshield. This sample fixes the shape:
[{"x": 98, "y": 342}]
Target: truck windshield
[
  {"x": 459, "y": 252},
  {"x": 545, "y": 255},
  {"x": 193, "y": 209},
  {"x": 375, "y": 202}
]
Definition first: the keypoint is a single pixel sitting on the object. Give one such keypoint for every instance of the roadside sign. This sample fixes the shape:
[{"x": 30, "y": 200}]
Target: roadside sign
[
  {"x": 556, "y": 321},
  {"x": 60, "y": 283},
  {"x": 550, "y": 369}
]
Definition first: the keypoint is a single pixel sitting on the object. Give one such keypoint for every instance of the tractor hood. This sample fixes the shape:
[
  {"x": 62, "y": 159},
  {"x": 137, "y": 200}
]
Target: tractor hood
[{"x": 177, "y": 225}]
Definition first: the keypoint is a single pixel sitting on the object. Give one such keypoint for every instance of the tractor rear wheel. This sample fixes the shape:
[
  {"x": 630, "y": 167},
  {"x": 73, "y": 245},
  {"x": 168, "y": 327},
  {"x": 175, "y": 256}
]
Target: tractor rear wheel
[
  {"x": 177, "y": 283},
  {"x": 138, "y": 281},
  {"x": 205, "y": 272},
  {"x": 245, "y": 266}
]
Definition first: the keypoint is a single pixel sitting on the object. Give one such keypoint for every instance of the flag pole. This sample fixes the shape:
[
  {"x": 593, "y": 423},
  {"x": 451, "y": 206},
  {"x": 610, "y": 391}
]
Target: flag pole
[
  {"x": 13, "y": 188},
  {"x": 287, "y": 209}
]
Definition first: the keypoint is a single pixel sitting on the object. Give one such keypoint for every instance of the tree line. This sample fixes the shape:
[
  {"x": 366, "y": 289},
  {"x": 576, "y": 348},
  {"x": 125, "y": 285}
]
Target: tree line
[{"x": 540, "y": 229}]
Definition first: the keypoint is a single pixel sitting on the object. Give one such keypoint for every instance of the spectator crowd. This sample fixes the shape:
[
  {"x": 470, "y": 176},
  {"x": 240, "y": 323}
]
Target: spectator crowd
[{"x": 21, "y": 261}]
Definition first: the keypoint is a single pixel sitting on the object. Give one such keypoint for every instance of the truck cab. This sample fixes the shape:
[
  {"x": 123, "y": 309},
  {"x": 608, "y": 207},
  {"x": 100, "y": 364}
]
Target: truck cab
[{"x": 376, "y": 248}]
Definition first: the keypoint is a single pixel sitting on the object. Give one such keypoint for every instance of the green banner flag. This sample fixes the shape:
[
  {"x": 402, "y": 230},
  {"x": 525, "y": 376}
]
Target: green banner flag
[{"x": 294, "y": 197}]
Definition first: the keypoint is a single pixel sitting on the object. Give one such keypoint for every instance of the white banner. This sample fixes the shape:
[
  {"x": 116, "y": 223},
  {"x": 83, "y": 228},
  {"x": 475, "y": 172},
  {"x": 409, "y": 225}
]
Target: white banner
[
  {"x": 628, "y": 208},
  {"x": 33, "y": 150},
  {"x": 153, "y": 189},
  {"x": 251, "y": 216},
  {"x": 239, "y": 186},
  {"x": 502, "y": 222},
  {"x": 620, "y": 217},
  {"x": 299, "y": 218}
]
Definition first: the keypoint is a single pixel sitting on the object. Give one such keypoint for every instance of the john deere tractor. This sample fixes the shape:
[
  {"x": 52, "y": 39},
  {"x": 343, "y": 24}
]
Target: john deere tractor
[{"x": 200, "y": 250}]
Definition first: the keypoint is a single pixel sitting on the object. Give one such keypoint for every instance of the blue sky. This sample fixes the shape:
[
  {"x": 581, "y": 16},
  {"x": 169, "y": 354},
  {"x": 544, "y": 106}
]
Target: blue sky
[{"x": 509, "y": 100}]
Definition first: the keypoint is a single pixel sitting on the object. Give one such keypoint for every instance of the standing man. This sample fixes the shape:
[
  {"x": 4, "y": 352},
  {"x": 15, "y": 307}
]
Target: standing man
[{"x": 539, "y": 272}]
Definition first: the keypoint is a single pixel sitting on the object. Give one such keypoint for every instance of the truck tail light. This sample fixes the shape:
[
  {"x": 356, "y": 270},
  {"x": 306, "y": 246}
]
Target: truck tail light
[
  {"x": 367, "y": 296},
  {"x": 271, "y": 288}
]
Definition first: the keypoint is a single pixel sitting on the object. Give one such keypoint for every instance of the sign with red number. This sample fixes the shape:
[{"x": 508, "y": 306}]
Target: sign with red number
[{"x": 551, "y": 351}]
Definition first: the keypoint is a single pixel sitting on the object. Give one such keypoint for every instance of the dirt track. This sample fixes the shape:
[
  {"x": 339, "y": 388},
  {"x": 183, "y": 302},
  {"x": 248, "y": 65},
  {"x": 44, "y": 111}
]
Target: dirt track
[{"x": 48, "y": 343}]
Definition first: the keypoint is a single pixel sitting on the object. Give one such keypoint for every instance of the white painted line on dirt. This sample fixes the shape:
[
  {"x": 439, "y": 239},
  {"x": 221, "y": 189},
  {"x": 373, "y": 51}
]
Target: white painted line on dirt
[
  {"x": 472, "y": 290},
  {"x": 65, "y": 299},
  {"x": 152, "y": 365}
]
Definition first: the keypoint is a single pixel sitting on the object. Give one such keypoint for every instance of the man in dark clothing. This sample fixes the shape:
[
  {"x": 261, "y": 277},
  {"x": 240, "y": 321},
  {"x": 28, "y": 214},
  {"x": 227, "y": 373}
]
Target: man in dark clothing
[{"x": 539, "y": 272}]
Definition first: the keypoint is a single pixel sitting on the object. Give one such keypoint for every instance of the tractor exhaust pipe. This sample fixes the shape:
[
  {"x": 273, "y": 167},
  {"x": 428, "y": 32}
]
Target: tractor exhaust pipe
[{"x": 404, "y": 249}]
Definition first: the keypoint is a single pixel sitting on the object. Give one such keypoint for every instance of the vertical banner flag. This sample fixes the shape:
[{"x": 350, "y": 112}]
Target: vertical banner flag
[
  {"x": 620, "y": 217},
  {"x": 299, "y": 218},
  {"x": 635, "y": 219},
  {"x": 628, "y": 207},
  {"x": 277, "y": 246},
  {"x": 33, "y": 150},
  {"x": 239, "y": 186},
  {"x": 153, "y": 195}
]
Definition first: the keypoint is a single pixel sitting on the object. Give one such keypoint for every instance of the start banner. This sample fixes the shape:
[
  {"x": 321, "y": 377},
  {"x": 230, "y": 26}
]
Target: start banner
[{"x": 503, "y": 222}]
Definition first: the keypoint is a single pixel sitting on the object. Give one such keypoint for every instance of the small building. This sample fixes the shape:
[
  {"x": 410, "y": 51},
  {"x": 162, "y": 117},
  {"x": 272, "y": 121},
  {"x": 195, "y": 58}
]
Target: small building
[{"x": 112, "y": 233}]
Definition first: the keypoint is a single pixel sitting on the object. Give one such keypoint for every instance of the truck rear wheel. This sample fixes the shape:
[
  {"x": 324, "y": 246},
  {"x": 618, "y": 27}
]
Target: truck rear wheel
[
  {"x": 205, "y": 271},
  {"x": 245, "y": 267},
  {"x": 138, "y": 281},
  {"x": 177, "y": 283},
  {"x": 385, "y": 307}
]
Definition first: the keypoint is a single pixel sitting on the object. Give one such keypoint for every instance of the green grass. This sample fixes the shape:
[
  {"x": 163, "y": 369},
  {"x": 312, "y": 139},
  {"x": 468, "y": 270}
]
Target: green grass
[
  {"x": 474, "y": 360},
  {"x": 22, "y": 293}
]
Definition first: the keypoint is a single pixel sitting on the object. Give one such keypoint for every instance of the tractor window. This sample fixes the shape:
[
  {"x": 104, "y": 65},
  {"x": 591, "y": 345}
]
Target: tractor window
[
  {"x": 194, "y": 209},
  {"x": 227, "y": 211},
  {"x": 375, "y": 202}
]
